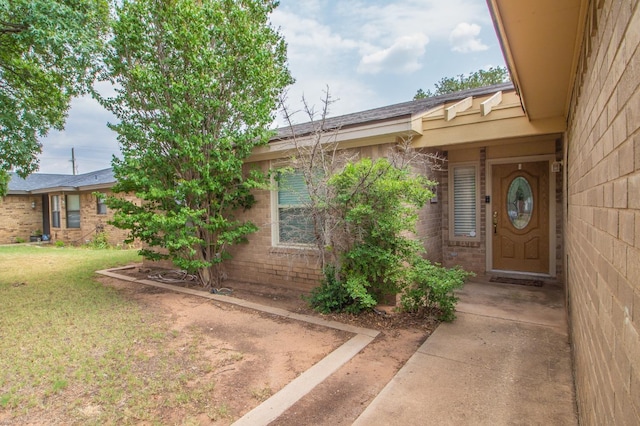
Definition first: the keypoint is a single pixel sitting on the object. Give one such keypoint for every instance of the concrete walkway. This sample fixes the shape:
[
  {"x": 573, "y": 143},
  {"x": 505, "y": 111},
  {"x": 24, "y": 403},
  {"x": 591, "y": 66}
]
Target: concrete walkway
[{"x": 504, "y": 361}]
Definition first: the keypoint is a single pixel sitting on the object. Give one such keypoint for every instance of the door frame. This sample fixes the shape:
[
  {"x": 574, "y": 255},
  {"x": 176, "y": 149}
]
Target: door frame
[{"x": 549, "y": 158}]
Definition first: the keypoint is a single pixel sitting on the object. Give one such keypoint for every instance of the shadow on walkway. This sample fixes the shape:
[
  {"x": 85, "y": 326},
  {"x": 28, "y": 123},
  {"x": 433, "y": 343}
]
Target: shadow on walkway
[{"x": 505, "y": 360}]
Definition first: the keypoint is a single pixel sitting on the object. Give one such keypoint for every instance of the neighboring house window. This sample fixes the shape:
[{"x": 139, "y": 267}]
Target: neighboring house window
[
  {"x": 464, "y": 199},
  {"x": 293, "y": 224},
  {"x": 101, "y": 204},
  {"x": 73, "y": 211},
  {"x": 55, "y": 211}
]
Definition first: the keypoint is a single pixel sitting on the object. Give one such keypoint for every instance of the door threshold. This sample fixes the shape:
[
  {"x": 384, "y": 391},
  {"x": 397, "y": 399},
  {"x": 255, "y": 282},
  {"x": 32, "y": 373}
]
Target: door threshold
[
  {"x": 520, "y": 278},
  {"x": 519, "y": 274}
]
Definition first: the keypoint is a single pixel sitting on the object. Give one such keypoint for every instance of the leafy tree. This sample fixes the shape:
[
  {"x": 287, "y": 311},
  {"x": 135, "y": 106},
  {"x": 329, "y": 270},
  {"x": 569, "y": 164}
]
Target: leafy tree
[
  {"x": 49, "y": 51},
  {"x": 480, "y": 78},
  {"x": 197, "y": 82}
]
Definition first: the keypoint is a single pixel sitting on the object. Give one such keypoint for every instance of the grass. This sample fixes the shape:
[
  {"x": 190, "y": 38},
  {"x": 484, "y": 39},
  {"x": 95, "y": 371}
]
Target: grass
[{"x": 77, "y": 351}]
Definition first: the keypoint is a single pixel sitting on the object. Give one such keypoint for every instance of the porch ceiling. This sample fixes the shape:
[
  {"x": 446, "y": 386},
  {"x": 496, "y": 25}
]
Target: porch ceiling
[{"x": 541, "y": 41}]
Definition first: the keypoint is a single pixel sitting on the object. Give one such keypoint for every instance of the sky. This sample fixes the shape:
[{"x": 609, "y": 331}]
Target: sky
[{"x": 368, "y": 53}]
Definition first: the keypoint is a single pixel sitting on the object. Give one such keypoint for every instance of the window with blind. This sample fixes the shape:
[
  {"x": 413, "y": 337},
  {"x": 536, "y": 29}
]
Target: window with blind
[
  {"x": 55, "y": 211},
  {"x": 293, "y": 223},
  {"x": 73, "y": 211},
  {"x": 101, "y": 204},
  {"x": 464, "y": 212}
]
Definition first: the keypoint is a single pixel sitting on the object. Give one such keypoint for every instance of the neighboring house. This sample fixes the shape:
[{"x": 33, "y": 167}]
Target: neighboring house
[{"x": 58, "y": 207}]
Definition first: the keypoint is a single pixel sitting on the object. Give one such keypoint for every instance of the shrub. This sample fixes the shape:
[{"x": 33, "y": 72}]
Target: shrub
[
  {"x": 431, "y": 287},
  {"x": 99, "y": 241},
  {"x": 335, "y": 296},
  {"x": 59, "y": 243}
]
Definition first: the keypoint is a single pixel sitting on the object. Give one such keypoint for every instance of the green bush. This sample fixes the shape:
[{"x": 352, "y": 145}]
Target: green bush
[
  {"x": 99, "y": 241},
  {"x": 431, "y": 287},
  {"x": 374, "y": 209},
  {"x": 20, "y": 240},
  {"x": 59, "y": 243},
  {"x": 335, "y": 296}
]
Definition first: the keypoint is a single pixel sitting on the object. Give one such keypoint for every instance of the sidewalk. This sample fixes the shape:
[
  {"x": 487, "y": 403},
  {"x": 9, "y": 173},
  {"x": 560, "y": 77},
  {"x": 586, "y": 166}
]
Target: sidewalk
[{"x": 505, "y": 360}]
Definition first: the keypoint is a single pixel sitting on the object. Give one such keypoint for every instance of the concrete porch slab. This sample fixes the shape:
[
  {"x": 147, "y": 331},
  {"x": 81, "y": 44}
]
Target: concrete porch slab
[{"x": 504, "y": 361}]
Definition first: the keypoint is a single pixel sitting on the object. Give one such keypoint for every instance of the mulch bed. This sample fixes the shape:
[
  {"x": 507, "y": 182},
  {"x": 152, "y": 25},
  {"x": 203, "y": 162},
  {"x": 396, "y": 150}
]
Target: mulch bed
[{"x": 293, "y": 301}]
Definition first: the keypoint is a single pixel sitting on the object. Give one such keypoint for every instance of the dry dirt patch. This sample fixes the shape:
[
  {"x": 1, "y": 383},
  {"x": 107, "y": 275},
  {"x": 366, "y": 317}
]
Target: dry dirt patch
[
  {"x": 253, "y": 355},
  {"x": 257, "y": 354}
]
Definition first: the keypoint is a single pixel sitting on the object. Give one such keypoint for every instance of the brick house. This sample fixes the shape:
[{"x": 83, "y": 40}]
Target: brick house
[
  {"x": 58, "y": 208},
  {"x": 492, "y": 151},
  {"x": 543, "y": 179}
]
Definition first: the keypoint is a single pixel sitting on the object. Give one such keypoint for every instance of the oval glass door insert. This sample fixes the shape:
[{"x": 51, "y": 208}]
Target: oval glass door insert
[{"x": 519, "y": 202}]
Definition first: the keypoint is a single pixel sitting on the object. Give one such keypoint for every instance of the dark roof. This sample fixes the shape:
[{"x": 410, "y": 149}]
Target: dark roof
[
  {"x": 405, "y": 109},
  {"x": 39, "y": 181}
]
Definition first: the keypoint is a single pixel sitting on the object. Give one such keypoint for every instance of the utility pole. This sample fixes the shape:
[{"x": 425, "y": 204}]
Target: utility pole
[{"x": 73, "y": 161}]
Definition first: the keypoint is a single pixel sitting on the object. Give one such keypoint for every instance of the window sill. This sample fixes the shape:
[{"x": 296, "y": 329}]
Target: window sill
[
  {"x": 465, "y": 243},
  {"x": 294, "y": 249}
]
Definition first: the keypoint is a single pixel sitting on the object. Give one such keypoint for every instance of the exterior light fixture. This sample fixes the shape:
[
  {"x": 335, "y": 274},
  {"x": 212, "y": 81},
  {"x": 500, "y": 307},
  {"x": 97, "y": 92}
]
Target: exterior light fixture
[{"x": 33, "y": 205}]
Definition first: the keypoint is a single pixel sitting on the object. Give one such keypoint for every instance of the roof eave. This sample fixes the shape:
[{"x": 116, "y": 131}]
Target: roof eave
[
  {"x": 352, "y": 136},
  {"x": 541, "y": 41}
]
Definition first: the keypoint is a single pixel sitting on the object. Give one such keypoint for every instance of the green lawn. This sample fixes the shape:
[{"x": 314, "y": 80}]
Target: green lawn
[{"x": 75, "y": 351}]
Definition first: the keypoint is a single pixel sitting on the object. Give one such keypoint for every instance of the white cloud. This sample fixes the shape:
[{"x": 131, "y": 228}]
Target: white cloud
[
  {"x": 307, "y": 38},
  {"x": 379, "y": 21},
  {"x": 464, "y": 38},
  {"x": 402, "y": 57}
]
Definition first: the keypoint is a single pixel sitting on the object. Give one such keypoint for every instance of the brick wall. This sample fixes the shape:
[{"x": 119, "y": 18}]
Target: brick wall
[
  {"x": 260, "y": 261},
  {"x": 429, "y": 226},
  {"x": 18, "y": 219},
  {"x": 603, "y": 218}
]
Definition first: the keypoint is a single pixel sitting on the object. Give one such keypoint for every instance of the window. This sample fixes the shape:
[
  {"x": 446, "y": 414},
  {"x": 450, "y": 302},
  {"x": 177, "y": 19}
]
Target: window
[
  {"x": 293, "y": 224},
  {"x": 55, "y": 211},
  {"x": 101, "y": 204},
  {"x": 464, "y": 196},
  {"x": 73, "y": 211}
]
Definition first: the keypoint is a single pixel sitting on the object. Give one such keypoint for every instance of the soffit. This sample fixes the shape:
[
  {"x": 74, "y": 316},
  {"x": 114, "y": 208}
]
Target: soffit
[
  {"x": 540, "y": 41},
  {"x": 492, "y": 117}
]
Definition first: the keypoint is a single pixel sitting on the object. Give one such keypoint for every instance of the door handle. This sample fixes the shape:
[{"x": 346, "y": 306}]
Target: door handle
[{"x": 495, "y": 222}]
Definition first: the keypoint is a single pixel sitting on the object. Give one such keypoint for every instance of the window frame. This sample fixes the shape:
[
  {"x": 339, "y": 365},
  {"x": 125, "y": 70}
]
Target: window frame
[
  {"x": 101, "y": 205},
  {"x": 71, "y": 213},
  {"x": 276, "y": 207},
  {"x": 452, "y": 203},
  {"x": 55, "y": 212}
]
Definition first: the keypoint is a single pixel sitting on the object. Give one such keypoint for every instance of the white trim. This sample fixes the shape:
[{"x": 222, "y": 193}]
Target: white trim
[
  {"x": 463, "y": 105},
  {"x": 275, "y": 215},
  {"x": 487, "y": 106},
  {"x": 549, "y": 158}
]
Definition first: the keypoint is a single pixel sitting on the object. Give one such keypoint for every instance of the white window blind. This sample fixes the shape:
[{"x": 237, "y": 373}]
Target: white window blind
[
  {"x": 464, "y": 201},
  {"x": 55, "y": 211},
  {"x": 295, "y": 225}
]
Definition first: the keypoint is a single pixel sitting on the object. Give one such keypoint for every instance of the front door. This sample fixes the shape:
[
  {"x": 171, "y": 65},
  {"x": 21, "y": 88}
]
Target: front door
[
  {"x": 46, "y": 222},
  {"x": 520, "y": 217}
]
